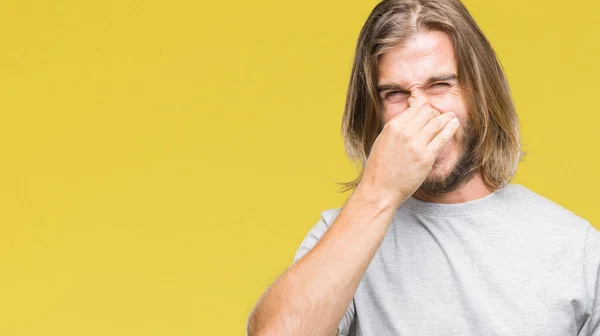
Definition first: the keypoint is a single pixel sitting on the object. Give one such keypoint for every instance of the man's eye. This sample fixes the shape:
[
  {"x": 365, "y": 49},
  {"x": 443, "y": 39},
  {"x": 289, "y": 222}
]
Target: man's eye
[
  {"x": 440, "y": 85},
  {"x": 394, "y": 94}
]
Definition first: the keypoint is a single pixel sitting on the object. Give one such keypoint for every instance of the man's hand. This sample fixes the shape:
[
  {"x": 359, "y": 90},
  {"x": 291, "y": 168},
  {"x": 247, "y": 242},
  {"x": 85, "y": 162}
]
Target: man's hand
[{"x": 403, "y": 154}]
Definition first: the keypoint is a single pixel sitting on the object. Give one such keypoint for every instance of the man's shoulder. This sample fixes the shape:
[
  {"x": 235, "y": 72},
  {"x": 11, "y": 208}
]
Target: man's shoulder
[{"x": 531, "y": 205}]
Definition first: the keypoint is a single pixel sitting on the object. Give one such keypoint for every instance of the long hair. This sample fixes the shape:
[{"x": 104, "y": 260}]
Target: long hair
[{"x": 480, "y": 76}]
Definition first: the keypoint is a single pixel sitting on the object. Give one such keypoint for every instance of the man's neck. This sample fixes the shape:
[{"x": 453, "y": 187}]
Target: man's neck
[{"x": 470, "y": 191}]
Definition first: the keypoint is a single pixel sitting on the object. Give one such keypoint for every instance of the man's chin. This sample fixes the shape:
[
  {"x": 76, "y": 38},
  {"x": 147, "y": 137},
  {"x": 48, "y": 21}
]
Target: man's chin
[
  {"x": 440, "y": 179},
  {"x": 441, "y": 169},
  {"x": 436, "y": 180},
  {"x": 453, "y": 167}
]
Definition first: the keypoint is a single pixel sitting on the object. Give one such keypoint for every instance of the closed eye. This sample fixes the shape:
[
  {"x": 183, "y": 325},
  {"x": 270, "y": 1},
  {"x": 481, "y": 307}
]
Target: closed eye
[
  {"x": 394, "y": 93},
  {"x": 439, "y": 88}
]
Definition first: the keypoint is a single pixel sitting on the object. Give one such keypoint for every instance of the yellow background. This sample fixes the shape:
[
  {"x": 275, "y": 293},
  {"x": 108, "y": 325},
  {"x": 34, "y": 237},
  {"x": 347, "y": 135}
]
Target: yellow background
[{"x": 161, "y": 161}]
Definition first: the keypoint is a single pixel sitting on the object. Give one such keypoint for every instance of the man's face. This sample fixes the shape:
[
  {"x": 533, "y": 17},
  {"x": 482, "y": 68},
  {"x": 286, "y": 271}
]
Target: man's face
[{"x": 426, "y": 66}]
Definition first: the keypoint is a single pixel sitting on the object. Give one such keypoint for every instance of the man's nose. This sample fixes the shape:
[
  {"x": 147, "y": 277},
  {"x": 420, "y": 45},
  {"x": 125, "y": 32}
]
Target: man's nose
[{"x": 417, "y": 99}]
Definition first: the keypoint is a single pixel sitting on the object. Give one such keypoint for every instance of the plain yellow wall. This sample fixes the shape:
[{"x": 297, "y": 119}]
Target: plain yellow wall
[{"x": 161, "y": 161}]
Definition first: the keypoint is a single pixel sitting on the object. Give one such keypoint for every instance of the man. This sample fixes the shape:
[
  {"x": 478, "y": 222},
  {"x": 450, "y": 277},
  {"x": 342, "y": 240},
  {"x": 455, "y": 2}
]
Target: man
[{"x": 434, "y": 240}]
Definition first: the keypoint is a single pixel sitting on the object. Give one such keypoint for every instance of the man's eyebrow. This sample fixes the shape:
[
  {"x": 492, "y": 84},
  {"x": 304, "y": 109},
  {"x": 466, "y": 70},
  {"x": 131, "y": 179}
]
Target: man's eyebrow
[
  {"x": 395, "y": 87},
  {"x": 440, "y": 78}
]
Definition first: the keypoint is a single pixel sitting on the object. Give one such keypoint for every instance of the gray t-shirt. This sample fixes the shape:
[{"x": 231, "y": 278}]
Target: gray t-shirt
[{"x": 510, "y": 263}]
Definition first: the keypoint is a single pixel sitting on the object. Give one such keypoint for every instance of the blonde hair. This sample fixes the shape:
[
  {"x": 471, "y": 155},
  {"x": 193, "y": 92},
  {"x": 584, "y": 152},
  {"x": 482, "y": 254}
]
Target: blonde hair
[{"x": 480, "y": 76}]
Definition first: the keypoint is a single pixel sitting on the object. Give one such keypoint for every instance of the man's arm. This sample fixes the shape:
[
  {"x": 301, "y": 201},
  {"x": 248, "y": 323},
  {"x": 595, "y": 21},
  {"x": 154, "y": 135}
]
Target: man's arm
[{"x": 311, "y": 297}]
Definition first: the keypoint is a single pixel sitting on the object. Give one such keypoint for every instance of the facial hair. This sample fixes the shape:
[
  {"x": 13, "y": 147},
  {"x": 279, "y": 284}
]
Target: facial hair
[{"x": 463, "y": 169}]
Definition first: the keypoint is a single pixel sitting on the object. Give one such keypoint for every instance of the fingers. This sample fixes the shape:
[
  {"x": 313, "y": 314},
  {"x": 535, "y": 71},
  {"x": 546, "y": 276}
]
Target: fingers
[
  {"x": 415, "y": 104},
  {"x": 420, "y": 120},
  {"x": 416, "y": 116},
  {"x": 434, "y": 126},
  {"x": 441, "y": 129}
]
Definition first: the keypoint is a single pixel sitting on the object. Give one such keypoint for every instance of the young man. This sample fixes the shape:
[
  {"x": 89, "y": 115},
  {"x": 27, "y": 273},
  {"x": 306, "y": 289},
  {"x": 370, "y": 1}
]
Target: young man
[{"x": 434, "y": 240}]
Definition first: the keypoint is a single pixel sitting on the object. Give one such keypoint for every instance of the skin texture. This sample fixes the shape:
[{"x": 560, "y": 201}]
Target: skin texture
[{"x": 430, "y": 54}]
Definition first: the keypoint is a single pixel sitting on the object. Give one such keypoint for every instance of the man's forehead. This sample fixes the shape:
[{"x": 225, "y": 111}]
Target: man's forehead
[{"x": 426, "y": 55}]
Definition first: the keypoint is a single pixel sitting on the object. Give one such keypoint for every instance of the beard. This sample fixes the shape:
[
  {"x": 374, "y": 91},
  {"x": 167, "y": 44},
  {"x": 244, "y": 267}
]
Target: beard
[{"x": 463, "y": 170}]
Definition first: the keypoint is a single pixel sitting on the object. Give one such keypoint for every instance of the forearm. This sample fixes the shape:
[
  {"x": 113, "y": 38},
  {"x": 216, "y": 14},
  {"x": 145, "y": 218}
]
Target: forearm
[{"x": 311, "y": 297}]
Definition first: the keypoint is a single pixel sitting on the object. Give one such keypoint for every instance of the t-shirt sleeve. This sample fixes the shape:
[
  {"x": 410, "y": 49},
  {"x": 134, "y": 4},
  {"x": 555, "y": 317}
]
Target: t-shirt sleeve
[
  {"x": 311, "y": 239},
  {"x": 591, "y": 279}
]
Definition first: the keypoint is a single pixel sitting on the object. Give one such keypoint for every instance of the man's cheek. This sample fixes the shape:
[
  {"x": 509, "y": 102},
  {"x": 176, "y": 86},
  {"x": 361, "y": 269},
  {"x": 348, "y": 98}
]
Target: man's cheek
[{"x": 445, "y": 103}]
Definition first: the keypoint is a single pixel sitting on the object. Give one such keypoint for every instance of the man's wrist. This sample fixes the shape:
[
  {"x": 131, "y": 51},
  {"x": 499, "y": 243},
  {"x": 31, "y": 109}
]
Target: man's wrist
[{"x": 375, "y": 198}]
